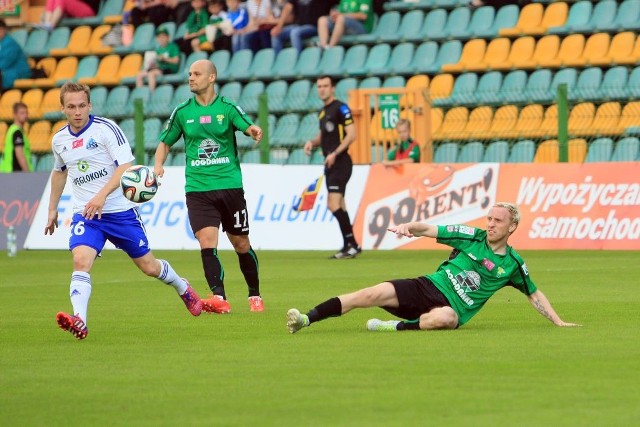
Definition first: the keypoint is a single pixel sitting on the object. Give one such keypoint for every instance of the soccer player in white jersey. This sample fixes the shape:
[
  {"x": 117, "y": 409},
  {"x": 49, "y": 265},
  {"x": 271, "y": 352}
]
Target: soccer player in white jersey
[{"x": 92, "y": 153}]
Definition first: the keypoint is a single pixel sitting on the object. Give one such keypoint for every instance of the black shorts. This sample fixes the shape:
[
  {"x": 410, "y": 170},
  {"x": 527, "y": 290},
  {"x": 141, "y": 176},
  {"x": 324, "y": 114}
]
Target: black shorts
[
  {"x": 338, "y": 176},
  {"x": 211, "y": 208},
  {"x": 416, "y": 297}
]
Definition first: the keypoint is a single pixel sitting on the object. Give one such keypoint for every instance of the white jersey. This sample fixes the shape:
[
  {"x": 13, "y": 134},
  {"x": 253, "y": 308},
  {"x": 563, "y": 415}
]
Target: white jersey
[{"x": 91, "y": 156}]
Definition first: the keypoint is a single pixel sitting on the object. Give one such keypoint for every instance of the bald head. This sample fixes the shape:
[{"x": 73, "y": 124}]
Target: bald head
[
  {"x": 202, "y": 78},
  {"x": 204, "y": 66}
]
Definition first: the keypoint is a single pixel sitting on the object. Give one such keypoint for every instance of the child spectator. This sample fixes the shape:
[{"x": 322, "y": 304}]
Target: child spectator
[
  {"x": 239, "y": 20},
  {"x": 351, "y": 17},
  {"x": 164, "y": 60},
  {"x": 196, "y": 24}
]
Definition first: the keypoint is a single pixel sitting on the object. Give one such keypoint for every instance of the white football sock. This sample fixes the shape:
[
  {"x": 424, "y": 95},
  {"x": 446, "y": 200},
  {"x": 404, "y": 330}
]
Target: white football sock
[
  {"x": 169, "y": 276},
  {"x": 79, "y": 293}
]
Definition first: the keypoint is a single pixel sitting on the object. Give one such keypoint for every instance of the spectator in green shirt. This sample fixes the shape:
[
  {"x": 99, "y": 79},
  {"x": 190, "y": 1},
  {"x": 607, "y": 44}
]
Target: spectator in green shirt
[
  {"x": 351, "y": 17},
  {"x": 407, "y": 150},
  {"x": 165, "y": 60}
]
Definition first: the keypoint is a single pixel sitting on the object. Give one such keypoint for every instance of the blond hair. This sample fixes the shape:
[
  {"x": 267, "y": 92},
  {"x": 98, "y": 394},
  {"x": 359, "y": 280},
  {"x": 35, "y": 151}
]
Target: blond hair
[
  {"x": 73, "y": 88},
  {"x": 513, "y": 210}
]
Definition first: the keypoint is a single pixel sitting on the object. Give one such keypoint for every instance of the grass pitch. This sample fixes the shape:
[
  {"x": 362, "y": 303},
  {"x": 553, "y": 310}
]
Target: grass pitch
[{"x": 147, "y": 362}]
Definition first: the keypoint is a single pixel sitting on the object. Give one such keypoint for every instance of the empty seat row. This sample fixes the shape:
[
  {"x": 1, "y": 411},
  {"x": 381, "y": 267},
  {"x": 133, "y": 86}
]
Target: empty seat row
[
  {"x": 548, "y": 52},
  {"x": 533, "y": 121},
  {"x": 541, "y": 86}
]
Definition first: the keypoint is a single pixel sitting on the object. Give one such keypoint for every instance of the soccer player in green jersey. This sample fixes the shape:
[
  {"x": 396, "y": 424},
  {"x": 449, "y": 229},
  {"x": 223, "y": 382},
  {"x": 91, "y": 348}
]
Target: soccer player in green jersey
[
  {"x": 214, "y": 191},
  {"x": 481, "y": 263}
]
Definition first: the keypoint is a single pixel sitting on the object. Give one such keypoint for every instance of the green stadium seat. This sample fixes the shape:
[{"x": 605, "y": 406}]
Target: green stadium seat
[
  {"x": 633, "y": 86},
  {"x": 298, "y": 157},
  {"x": 128, "y": 127},
  {"x": 522, "y": 152},
  {"x": 249, "y": 96},
  {"x": 342, "y": 90},
  {"x": 261, "y": 66},
  {"x": 424, "y": 58},
  {"x": 496, "y": 152},
  {"x": 284, "y": 134},
  {"x": 331, "y": 61},
  {"x": 98, "y": 100},
  {"x": 537, "y": 87},
  {"x": 481, "y": 21},
  {"x": 240, "y": 63},
  {"x": 513, "y": 87},
  {"x": 488, "y": 88},
  {"x": 627, "y": 18},
  {"x": 446, "y": 153},
  {"x": 463, "y": 92},
  {"x": 20, "y": 35},
  {"x": 143, "y": 40},
  {"x": 45, "y": 162},
  {"x": 116, "y": 104},
  {"x": 579, "y": 15},
  {"x": 297, "y": 95},
  {"x": 180, "y": 94},
  {"x": 142, "y": 93},
  {"x": 604, "y": 13},
  {"x": 159, "y": 104},
  {"x": 394, "y": 82},
  {"x": 36, "y": 44},
  {"x": 354, "y": 60},
  {"x": 278, "y": 156},
  {"x": 587, "y": 85},
  {"x": 614, "y": 84},
  {"x": 387, "y": 26},
  {"x": 400, "y": 60},
  {"x": 449, "y": 53},
  {"x": 626, "y": 150},
  {"x": 568, "y": 76},
  {"x": 317, "y": 158},
  {"x": 432, "y": 27},
  {"x": 506, "y": 17},
  {"x": 231, "y": 90},
  {"x": 178, "y": 159},
  {"x": 314, "y": 103},
  {"x": 252, "y": 156},
  {"x": 283, "y": 64},
  {"x": 375, "y": 63},
  {"x": 277, "y": 92},
  {"x": 221, "y": 59},
  {"x": 599, "y": 150},
  {"x": 372, "y": 82},
  {"x": 471, "y": 152},
  {"x": 306, "y": 65},
  {"x": 308, "y": 128},
  {"x": 408, "y": 25},
  {"x": 457, "y": 23},
  {"x": 152, "y": 130}
]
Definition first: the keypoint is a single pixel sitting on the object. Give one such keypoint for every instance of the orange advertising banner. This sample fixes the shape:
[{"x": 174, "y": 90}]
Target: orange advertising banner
[{"x": 563, "y": 206}]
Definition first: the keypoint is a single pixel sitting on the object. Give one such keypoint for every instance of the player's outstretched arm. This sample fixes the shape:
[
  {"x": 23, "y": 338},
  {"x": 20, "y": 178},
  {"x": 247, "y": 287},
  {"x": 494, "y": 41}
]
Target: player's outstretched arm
[
  {"x": 415, "y": 229},
  {"x": 161, "y": 156},
  {"x": 255, "y": 132},
  {"x": 542, "y": 304}
]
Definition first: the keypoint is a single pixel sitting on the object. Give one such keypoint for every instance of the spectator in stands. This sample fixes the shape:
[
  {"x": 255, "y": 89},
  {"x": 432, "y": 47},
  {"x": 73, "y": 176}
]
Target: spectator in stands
[
  {"x": 55, "y": 10},
  {"x": 164, "y": 60},
  {"x": 181, "y": 10},
  {"x": 219, "y": 29},
  {"x": 154, "y": 11},
  {"x": 261, "y": 21},
  {"x": 239, "y": 20},
  {"x": 473, "y": 4},
  {"x": 305, "y": 22},
  {"x": 407, "y": 150},
  {"x": 197, "y": 22},
  {"x": 13, "y": 62},
  {"x": 17, "y": 155},
  {"x": 350, "y": 17}
]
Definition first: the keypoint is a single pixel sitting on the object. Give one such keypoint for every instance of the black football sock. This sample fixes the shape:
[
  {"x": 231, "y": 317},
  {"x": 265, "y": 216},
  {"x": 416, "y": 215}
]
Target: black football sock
[
  {"x": 249, "y": 267},
  {"x": 330, "y": 308},
  {"x": 346, "y": 229},
  {"x": 213, "y": 271},
  {"x": 408, "y": 325}
]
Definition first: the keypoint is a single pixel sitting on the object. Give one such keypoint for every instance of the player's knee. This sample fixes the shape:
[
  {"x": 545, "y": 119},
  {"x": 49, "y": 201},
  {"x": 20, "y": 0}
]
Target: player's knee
[{"x": 439, "y": 318}]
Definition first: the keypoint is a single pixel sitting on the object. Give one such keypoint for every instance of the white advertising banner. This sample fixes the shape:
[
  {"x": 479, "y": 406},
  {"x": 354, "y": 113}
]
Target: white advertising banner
[{"x": 270, "y": 190}]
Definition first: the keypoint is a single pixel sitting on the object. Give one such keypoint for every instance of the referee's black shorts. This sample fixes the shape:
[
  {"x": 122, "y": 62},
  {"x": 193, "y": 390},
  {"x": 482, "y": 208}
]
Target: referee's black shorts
[
  {"x": 416, "y": 297},
  {"x": 338, "y": 175},
  {"x": 215, "y": 207}
]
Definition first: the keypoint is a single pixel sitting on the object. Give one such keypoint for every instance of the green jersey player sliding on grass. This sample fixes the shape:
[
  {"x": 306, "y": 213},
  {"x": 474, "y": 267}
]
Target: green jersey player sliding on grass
[{"x": 481, "y": 264}]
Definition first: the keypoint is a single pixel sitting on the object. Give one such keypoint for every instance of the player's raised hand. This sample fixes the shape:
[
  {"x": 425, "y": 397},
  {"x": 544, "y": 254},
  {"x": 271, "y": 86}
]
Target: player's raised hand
[
  {"x": 255, "y": 132},
  {"x": 401, "y": 230}
]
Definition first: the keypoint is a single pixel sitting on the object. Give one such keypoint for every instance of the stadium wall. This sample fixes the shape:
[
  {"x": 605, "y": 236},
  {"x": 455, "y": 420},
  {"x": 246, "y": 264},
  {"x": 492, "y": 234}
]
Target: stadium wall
[{"x": 564, "y": 206}]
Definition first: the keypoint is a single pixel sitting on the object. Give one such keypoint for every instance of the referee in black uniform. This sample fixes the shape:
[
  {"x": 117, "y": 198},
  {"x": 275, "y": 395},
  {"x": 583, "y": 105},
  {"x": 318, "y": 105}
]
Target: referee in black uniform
[{"x": 337, "y": 132}]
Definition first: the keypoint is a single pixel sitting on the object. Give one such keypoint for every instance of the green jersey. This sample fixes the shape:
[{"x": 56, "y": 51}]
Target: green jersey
[
  {"x": 210, "y": 142},
  {"x": 171, "y": 50},
  {"x": 359, "y": 6},
  {"x": 474, "y": 272}
]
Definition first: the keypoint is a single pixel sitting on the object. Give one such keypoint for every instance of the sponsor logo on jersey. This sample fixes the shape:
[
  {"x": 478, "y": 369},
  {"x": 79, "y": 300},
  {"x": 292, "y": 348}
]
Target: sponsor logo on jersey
[
  {"x": 77, "y": 144},
  {"x": 461, "y": 229},
  {"x": 525, "y": 270},
  {"x": 500, "y": 272},
  {"x": 472, "y": 256},
  {"x": 205, "y": 119},
  {"x": 83, "y": 166},
  {"x": 488, "y": 264},
  {"x": 346, "y": 112},
  {"x": 220, "y": 118},
  {"x": 240, "y": 110},
  {"x": 92, "y": 144},
  {"x": 458, "y": 288},
  {"x": 208, "y": 154},
  {"x": 190, "y": 121},
  {"x": 84, "y": 179},
  {"x": 329, "y": 126}
]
